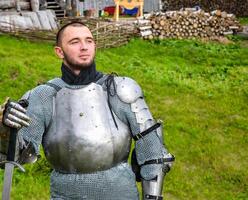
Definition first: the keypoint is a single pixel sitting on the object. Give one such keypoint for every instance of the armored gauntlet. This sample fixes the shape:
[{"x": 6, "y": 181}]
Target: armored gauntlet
[{"x": 12, "y": 115}]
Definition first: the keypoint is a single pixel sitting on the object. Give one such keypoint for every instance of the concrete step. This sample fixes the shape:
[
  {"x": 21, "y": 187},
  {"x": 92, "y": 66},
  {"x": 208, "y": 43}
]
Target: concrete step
[{"x": 53, "y": 5}]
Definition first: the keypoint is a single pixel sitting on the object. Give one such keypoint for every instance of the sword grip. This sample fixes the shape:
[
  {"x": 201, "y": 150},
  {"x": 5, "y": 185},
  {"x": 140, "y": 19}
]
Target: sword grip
[
  {"x": 13, "y": 136},
  {"x": 12, "y": 145}
]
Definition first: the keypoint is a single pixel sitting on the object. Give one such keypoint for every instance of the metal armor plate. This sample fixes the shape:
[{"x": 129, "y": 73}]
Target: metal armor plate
[
  {"x": 82, "y": 136},
  {"x": 127, "y": 89}
]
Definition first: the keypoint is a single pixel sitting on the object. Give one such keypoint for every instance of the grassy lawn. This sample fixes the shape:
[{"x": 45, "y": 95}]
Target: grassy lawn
[
  {"x": 199, "y": 90},
  {"x": 243, "y": 20}
]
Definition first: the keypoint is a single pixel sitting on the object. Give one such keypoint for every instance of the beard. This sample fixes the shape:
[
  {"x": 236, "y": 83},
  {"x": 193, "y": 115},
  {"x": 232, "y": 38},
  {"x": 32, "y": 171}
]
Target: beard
[{"x": 74, "y": 64}]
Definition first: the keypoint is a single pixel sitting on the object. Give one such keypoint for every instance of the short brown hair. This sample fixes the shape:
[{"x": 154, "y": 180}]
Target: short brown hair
[{"x": 62, "y": 29}]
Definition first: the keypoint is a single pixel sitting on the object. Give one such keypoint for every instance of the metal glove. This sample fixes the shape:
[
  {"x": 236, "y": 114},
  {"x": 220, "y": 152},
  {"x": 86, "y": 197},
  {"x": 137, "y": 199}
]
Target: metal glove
[{"x": 14, "y": 115}]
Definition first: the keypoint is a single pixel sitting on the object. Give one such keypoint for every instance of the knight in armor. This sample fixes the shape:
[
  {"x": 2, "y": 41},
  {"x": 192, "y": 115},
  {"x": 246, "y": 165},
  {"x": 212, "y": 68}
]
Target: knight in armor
[{"x": 85, "y": 122}]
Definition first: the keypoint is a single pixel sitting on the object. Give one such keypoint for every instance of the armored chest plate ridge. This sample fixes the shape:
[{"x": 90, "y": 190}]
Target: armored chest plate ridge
[{"x": 82, "y": 136}]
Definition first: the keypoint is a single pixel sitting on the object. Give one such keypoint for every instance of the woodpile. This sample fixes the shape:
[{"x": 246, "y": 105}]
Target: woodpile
[
  {"x": 237, "y": 7},
  {"x": 188, "y": 24}
]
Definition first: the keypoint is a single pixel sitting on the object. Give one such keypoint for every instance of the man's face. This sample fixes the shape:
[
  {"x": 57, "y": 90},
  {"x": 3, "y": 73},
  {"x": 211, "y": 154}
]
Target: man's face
[{"x": 77, "y": 47}]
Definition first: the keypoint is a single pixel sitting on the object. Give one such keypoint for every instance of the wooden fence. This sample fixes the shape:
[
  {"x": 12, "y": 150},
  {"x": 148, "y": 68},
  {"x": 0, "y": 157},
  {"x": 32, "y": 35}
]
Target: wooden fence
[{"x": 106, "y": 33}]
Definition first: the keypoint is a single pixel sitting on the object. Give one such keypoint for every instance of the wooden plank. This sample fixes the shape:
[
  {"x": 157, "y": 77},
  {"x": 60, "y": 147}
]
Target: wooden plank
[
  {"x": 145, "y": 33},
  {"x": 7, "y": 4},
  {"x": 21, "y": 22},
  {"x": 44, "y": 20},
  {"x": 34, "y": 18},
  {"x": 5, "y": 23},
  {"x": 145, "y": 28},
  {"x": 52, "y": 19}
]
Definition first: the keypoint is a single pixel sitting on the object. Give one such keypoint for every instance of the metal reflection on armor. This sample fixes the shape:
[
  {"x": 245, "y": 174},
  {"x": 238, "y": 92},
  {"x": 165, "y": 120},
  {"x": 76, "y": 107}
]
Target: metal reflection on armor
[
  {"x": 127, "y": 89},
  {"x": 152, "y": 189},
  {"x": 82, "y": 136}
]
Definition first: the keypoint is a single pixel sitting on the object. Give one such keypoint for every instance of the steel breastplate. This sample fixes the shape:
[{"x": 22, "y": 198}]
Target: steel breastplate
[{"x": 82, "y": 137}]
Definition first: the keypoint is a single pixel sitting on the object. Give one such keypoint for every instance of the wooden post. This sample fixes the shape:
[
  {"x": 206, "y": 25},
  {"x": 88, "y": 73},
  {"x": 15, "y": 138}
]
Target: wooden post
[
  {"x": 141, "y": 9},
  {"x": 74, "y": 7},
  {"x": 35, "y": 5},
  {"x": 68, "y": 8},
  {"x": 116, "y": 14}
]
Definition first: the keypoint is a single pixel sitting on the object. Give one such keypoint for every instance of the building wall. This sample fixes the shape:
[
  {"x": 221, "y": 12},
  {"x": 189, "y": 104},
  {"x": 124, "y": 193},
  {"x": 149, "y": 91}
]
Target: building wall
[{"x": 151, "y": 5}]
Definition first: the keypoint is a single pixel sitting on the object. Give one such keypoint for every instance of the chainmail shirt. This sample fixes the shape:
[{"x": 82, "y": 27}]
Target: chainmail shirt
[{"x": 117, "y": 183}]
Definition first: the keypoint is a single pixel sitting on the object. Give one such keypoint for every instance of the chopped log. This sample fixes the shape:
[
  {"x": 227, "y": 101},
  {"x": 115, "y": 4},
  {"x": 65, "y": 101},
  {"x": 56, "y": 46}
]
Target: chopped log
[
  {"x": 35, "y": 5},
  {"x": 8, "y": 4},
  {"x": 186, "y": 24}
]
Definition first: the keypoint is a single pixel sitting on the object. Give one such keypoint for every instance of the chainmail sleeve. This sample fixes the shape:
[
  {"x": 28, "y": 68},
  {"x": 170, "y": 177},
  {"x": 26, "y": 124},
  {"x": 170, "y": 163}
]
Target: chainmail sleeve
[{"x": 39, "y": 110}]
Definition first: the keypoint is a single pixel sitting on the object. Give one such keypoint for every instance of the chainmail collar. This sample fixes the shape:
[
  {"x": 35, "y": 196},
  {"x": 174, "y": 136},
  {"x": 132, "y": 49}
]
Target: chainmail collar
[{"x": 86, "y": 76}]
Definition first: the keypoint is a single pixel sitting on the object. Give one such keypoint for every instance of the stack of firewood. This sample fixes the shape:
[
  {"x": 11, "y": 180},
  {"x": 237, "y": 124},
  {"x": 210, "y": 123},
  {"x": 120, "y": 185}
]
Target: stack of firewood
[{"x": 188, "y": 23}]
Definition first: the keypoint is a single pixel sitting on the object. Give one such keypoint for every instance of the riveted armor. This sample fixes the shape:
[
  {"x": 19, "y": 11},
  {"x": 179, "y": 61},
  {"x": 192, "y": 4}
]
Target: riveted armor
[
  {"x": 130, "y": 92},
  {"x": 82, "y": 136},
  {"x": 127, "y": 89},
  {"x": 150, "y": 135},
  {"x": 85, "y": 132}
]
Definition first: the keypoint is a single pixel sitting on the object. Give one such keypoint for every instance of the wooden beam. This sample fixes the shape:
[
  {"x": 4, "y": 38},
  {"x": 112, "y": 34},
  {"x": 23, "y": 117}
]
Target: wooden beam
[{"x": 7, "y": 4}]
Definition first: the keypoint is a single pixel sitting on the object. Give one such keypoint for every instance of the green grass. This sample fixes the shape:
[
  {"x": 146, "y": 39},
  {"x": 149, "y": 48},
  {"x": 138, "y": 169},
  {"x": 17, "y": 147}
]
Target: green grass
[
  {"x": 243, "y": 20},
  {"x": 200, "y": 91}
]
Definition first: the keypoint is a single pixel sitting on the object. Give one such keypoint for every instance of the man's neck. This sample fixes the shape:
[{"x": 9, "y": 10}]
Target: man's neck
[{"x": 84, "y": 77}]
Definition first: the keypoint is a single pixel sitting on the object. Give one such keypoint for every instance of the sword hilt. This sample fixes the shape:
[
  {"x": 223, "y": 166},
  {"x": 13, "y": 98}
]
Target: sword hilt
[
  {"x": 10, "y": 163},
  {"x": 13, "y": 136},
  {"x": 13, "y": 163}
]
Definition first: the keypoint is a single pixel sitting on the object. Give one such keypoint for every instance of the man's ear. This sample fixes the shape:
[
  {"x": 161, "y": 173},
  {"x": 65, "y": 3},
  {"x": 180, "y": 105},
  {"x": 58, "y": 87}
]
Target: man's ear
[{"x": 59, "y": 52}]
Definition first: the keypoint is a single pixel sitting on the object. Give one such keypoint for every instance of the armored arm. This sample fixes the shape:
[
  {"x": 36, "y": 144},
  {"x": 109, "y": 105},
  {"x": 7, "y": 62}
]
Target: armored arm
[
  {"x": 30, "y": 131},
  {"x": 151, "y": 157},
  {"x": 152, "y": 189},
  {"x": 13, "y": 115}
]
